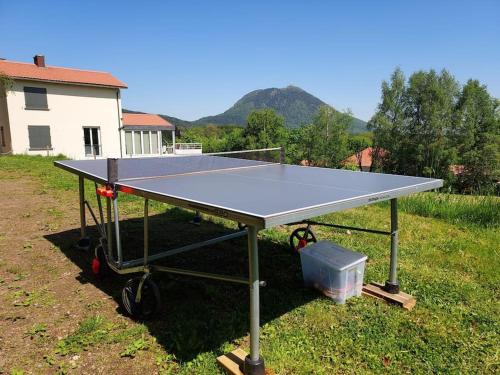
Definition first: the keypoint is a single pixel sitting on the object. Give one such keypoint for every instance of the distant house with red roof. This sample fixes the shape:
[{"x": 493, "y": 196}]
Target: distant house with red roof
[
  {"x": 149, "y": 135},
  {"x": 143, "y": 134},
  {"x": 55, "y": 110},
  {"x": 366, "y": 159}
]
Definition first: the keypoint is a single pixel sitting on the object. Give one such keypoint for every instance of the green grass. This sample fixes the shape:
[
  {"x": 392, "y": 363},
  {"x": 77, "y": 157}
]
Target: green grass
[
  {"x": 449, "y": 260},
  {"x": 459, "y": 209}
]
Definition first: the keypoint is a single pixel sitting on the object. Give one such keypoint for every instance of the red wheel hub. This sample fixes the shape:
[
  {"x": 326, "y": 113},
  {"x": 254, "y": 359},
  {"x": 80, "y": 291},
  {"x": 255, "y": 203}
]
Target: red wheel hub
[
  {"x": 96, "y": 266},
  {"x": 302, "y": 243}
]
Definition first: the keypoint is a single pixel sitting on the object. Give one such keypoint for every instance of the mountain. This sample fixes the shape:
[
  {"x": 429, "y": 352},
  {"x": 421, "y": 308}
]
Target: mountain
[{"x": 297, "y": 106}]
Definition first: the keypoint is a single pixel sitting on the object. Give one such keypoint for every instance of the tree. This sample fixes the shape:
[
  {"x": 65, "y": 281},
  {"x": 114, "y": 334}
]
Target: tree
[
  {"x": 234, "y": 139},
  {"x": 431, "y": 100},
  {"x": 477, "y": 138},
  {"x": 264, "y": 129},
  {"x": 414, "y": 122},
  {"x": 6, "y": 84},
  {"x": 325, "y": 141},
  {"x": 388, "y": 122}
]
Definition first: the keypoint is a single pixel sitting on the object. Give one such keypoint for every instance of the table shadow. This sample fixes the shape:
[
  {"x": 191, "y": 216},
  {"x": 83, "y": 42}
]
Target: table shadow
[{"x": 198, "y": 315}]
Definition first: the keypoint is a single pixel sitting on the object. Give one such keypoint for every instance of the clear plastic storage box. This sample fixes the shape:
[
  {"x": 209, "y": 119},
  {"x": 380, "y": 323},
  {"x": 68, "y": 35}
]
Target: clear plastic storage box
[{"x": 334, "y": 270}]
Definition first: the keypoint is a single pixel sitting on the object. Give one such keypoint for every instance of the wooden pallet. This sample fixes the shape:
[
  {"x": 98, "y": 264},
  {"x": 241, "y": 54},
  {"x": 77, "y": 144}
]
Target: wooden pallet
[
  {"x": 402, "y": 299},
  {"x": 232, "y": 362}
]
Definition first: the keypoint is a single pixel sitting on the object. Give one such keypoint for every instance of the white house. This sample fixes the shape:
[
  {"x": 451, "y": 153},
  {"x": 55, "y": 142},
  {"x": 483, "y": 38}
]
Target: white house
[{"x": 52, "y": 110}]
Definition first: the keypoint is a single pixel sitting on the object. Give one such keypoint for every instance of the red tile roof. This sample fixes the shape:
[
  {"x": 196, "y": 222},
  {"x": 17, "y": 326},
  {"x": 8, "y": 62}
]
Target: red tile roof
[
  {"x": 366, "y": 157},
  {"x": 457, "y": 169},
  {"x": 28, "y": 71},
  {"x": 145, "y": 119}
]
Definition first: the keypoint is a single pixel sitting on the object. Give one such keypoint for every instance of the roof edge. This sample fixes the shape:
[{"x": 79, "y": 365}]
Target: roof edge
[{"x": 124, "y": 86}]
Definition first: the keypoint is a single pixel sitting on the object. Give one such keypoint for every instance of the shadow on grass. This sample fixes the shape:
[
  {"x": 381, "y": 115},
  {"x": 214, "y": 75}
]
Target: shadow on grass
[{"x": 198, "y": 315}]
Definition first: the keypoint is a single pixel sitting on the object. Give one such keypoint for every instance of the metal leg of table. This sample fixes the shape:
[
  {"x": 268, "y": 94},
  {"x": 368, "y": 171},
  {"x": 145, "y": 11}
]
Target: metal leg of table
[
  {"x": 254, "y": 364},
  {"x": 197, "y": 218},
  {"x": 117, "y": 233},
  {"x": 99, "y": 205},
  {"x": 109, "y": 229},
  {"x": 146, "y": 231},
  {"x": 392, "y": 285},
  {"x": 81, "y": 190}
]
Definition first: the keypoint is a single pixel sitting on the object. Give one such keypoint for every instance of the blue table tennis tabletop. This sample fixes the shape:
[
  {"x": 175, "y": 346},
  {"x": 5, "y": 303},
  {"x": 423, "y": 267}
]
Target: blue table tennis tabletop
[{"x": 257, "y": 193}]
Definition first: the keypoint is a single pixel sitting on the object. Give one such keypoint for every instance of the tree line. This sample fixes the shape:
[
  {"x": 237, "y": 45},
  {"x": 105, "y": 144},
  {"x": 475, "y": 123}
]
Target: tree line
[
  {"x": 324, "y": 142},
  {"x": 430, "y": 125},
  {"x": 427, "y": 125}
]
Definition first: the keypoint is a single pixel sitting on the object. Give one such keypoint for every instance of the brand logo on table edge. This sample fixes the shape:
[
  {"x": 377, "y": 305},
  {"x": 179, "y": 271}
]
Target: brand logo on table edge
[
  {"x": 374, "y": 199},
  {"x": 215, "y": 211}
]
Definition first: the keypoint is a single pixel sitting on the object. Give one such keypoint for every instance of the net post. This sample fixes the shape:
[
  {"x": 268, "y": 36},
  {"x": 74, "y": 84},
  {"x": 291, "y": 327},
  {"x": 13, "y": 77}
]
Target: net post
[{"x": 112, "y": 168}]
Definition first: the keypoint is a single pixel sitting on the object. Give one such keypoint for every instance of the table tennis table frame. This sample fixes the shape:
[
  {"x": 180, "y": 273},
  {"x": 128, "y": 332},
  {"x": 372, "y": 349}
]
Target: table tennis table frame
[{"x": 254, "y": 364}]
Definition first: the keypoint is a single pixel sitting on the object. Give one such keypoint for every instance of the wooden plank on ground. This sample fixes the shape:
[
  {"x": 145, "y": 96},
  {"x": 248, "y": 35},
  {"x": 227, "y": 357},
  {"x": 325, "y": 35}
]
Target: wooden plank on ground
[
  {"x": 233, "y": 362},
  {"x": 402, "y": 299}
]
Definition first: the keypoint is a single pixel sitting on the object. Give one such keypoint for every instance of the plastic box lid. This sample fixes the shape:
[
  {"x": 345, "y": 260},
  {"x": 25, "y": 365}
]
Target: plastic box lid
[{"x": 337, "y": 257}]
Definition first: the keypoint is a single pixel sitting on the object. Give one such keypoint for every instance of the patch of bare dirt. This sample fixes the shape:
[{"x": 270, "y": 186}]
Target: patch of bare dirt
[{"x": 44, "y": 294}]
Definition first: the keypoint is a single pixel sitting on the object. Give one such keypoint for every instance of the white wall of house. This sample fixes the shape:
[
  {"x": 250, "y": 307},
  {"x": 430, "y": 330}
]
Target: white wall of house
[{"x": 70, "y": 109}]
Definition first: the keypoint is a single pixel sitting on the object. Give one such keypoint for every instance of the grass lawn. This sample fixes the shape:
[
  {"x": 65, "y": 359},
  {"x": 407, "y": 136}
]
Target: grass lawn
[{"x": 55, "y": 317}]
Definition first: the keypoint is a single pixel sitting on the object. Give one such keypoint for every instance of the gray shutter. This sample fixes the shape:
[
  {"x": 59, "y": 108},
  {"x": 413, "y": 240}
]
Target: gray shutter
[
  {"x": 39, "y": 137},
  {"x": 35, "y": 97}
]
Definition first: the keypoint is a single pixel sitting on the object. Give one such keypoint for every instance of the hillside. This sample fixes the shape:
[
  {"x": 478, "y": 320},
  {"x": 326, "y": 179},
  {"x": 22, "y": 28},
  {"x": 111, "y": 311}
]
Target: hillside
[{"x": 297, "y": 106}]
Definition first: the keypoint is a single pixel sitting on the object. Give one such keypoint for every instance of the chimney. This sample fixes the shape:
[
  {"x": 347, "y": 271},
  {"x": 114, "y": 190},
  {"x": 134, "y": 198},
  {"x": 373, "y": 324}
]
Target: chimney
[{"x": 39, "y": 61}]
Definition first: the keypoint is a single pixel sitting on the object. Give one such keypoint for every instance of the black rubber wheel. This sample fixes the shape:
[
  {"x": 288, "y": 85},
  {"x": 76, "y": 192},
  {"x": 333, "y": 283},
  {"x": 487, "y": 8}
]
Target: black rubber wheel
[
  {"x": 150, "y": 299},
  {"x": 298, "y": 239},
  {"x": 100, "y": 266},
  {"x": 84, "y": 244}
]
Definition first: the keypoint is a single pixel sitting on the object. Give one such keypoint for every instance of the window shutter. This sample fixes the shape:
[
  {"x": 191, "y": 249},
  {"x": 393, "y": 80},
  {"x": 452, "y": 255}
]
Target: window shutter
[
  {"x": 35, "y": 97},
  {"x": 39, "y": 137}
]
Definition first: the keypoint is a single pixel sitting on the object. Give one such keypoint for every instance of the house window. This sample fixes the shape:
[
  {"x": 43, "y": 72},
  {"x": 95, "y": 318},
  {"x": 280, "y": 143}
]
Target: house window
[
  {"x": 92, "y": 141},
  {"x": 39, "y": 137},
  {"x": 35, "y": 98},
  {"x": 129, "y": 148},
  {"x": 146, "y": 145},
  {"x": 139, "y": 142},
  {"x": 154, "y": 143}
]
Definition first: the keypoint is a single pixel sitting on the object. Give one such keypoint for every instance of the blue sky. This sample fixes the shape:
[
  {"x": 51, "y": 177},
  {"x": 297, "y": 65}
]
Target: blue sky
[{"x": 191, "y": 59}]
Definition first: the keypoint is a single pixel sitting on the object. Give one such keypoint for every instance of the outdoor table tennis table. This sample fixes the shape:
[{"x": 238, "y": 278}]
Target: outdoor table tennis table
[{"x": 256, "y": 194}]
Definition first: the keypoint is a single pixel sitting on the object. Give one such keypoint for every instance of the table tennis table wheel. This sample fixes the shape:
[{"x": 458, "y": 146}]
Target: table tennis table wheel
[
  {"x": 150, "y": 300},
  {"x": 100, "y": 266},
  {"x": 300, "y": 237}
]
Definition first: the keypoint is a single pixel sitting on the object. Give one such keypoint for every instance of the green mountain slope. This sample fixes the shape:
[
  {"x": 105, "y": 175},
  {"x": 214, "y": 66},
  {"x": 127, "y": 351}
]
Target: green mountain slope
[{"x": 297, "y": 106}]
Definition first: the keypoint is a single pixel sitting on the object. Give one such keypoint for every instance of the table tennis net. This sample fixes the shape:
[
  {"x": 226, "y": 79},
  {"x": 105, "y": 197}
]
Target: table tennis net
[{"x": 142, "y": 168}]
